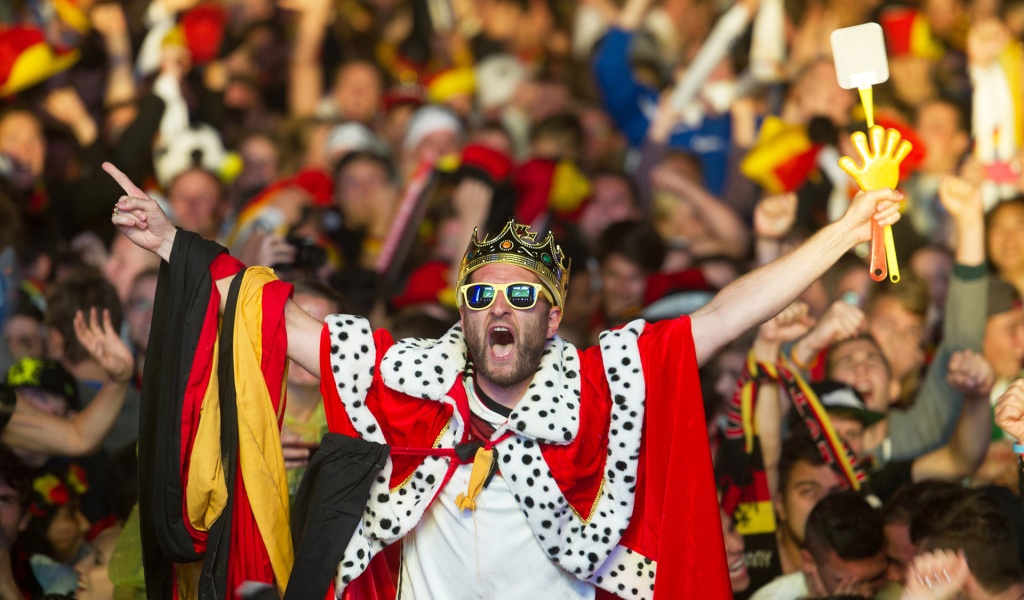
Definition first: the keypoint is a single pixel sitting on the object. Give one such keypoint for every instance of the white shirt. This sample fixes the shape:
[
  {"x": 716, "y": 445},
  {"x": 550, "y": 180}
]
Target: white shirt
[
  {"x": 783, "y": 587},
  {"x": 488, "y": 553}
]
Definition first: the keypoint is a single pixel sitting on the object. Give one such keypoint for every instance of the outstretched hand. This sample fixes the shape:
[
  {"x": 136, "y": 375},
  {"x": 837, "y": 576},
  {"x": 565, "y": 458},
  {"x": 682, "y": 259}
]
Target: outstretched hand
[
  {"x": 140, "y": 218},
  {"x": 105, "y": 345}
]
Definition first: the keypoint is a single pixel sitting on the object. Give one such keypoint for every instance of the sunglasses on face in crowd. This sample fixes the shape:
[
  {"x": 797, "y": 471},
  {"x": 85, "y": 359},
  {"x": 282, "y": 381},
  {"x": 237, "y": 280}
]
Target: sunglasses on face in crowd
[{"x": 520, "y": 294}]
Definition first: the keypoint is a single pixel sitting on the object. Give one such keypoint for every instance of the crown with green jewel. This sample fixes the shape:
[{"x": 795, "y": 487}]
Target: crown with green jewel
[{"x": 515, "y": 245}]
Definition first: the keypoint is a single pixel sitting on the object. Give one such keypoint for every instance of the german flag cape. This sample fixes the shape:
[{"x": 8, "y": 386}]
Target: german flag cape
[{"x": 210, "y": 412}]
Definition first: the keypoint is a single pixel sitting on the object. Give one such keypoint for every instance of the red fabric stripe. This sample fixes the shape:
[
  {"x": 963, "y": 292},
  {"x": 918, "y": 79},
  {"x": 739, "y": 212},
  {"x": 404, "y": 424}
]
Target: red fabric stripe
[
  {"x": 275, "y": 340},
  {"x": 248, "y": 559},
  {"x": 337, "y": 419}
]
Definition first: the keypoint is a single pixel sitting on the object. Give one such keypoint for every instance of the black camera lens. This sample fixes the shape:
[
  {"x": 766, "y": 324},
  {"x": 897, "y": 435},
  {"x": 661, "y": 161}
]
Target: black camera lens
[{"x": 307, "y": 254}]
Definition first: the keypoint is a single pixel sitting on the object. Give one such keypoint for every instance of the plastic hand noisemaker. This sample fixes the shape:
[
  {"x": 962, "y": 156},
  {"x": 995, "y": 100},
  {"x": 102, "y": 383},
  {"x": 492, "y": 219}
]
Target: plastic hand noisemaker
[{"x": 880, "y": 169}]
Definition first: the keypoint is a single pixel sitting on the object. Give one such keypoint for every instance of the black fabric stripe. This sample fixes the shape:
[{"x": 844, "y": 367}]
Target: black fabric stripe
[{"x": 179, "y": 310}]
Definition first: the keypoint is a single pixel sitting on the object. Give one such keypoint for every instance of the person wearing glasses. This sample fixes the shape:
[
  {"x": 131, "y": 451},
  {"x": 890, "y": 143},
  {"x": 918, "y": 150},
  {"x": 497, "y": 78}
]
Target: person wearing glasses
[{"x": 519, "y": 465}]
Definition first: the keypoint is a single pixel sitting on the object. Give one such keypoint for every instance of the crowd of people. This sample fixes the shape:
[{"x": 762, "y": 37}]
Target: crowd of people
[{"x": 863, "y": 436}]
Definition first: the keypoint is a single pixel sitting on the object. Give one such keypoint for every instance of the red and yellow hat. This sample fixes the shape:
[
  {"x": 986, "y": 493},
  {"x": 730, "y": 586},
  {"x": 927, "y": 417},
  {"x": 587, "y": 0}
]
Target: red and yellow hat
[{"x": 27, "y": 59}]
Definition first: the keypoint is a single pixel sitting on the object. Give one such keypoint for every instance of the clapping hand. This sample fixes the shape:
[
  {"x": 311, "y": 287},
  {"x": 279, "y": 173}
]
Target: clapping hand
[{"x": 880, "y": 164}]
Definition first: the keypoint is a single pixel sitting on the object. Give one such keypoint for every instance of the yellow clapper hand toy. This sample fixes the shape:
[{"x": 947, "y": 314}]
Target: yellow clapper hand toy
[{"x": 879, "y": 170}]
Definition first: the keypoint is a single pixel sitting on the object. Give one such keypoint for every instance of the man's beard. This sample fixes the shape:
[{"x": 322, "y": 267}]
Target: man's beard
[{"x": 529, "y": 347}]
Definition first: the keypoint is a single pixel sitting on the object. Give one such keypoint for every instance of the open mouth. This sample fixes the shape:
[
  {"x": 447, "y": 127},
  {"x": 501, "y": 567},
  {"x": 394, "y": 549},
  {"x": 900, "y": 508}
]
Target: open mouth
[
  {"x": 738, "y": 565},
  {"x": 501, "y": 341}
]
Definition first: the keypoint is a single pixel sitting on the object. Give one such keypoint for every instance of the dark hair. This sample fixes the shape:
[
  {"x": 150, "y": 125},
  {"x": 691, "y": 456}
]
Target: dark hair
[
  {"x": 25, "y": 308},
  {"x": 910, "y": 499},
  {"x": 375, "y": 157},
  {"x": 636, "y": 241},
  {"x": 123, "y": 481},
  {"x": 799, "y": 447},
  {"x": 634, "y": 193},
  {"x": 80, "y": 290},
  {"x": 361, "y": 288},
  {"x": 977, "y": 525},
  {"x": 563, "y": 126},
  {"x": 963, "y": 113},
  {"x": 911, "y": 293},
  {"x": 311, "y": 287},
  {"x": 1016, "y": 201},
  {"x": 860, "y": 336},
  {"x": 844, "y": 523},
  {"x": 15, "y": 474},
  {"x": 415, "y": 323}
]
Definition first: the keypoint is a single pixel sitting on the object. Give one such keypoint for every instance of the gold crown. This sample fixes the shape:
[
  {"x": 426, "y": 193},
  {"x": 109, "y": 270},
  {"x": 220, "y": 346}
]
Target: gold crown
[{"x": 515, "y": 245}]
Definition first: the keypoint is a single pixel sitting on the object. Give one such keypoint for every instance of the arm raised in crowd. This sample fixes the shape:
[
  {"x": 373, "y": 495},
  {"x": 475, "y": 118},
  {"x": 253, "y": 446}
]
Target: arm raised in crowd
[
  {"x": 33, "y": 430},
  {"x": 792, "y": 323},
  {"x": 764, "y": 292},
  {"x": 305, "y": 73},
  {"x": 970, "y": 374},
  {"x": 143, "y": 222},
  {"x": 930, "y": 422}
]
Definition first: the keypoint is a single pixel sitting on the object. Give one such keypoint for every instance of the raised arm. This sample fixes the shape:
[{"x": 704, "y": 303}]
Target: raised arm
[
  {"x": 970, "y": 374},
  {"x": 764, "y": 292},
  {"x": 36, "y": 431},
  {"x": 142, "y": 221},
  {"x": 930, "y": 421}
]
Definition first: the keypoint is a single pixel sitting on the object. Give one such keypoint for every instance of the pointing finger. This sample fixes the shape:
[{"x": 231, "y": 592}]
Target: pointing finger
[{"x": 122, "y": 180}]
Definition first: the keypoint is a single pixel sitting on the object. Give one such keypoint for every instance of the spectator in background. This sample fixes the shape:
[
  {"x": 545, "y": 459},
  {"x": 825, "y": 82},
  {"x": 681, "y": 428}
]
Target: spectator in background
[
  {"x": 198, "y": 202},
  {"x": 125, "y": 264},
  {"x": 305, "y": 422},
  {"x": 15, "y": 492},
  {"x": 899, "y": 514},
  {"x": 896, "y": 317},
  {"x": 804, "y": 479},
  {"x": 83, "y": 292},
  {"x": 23, "y": 332},
  {"x": 975, "y": 526},
  {"x": 844, "y": 551},
  {"x": 139, "y": 316},
  {"x": 1004, "y": 226},
  {"x": 628, "y": 252}
]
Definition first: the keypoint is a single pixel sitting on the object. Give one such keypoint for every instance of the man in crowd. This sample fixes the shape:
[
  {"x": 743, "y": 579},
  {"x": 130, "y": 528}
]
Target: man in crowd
[
  {"x": 844, "y": 552},
  {"x": 536, "y": 401}
]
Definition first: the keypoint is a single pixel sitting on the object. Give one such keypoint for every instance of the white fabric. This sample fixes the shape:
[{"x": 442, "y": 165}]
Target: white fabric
[
  {"x": 784, "y": 587},
  {"x": 728, "y": 28},
  {"x": 489, "y": 553},
  {"x": 992, "y": 125},
  {"x": 768, "y": 44}
]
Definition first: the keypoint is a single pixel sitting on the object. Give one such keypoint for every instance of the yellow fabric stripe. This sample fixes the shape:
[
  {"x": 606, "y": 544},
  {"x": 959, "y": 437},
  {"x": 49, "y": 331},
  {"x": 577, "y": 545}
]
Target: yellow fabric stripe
[
  {"x": 758, "y": 517},
  {"x": 206, "y": 492},
  {"x": 259, "y": 441},
  {"x": 830, "y": 433},
  {"x": 1011, "y": 59}
]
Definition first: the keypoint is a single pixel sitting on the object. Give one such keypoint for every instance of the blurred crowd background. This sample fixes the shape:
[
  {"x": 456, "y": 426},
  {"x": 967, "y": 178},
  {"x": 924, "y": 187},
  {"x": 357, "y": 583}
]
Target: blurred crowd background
[{"x": 670, "y": 145}]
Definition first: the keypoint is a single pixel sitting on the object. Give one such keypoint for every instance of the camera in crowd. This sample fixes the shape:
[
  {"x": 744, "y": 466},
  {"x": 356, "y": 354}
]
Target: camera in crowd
[{"x": 308, "y": 255}]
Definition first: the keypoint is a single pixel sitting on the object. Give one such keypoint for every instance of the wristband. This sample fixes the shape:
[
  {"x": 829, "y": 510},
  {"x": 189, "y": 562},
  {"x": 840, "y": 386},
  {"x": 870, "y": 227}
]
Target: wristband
[{"x": 1018, "y": 448}]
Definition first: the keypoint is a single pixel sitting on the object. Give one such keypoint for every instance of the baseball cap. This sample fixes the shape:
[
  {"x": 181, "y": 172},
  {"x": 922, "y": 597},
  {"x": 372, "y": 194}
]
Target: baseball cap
[
  {"x": 44, "y": 374},
  {"x": 843, "y": 400}
]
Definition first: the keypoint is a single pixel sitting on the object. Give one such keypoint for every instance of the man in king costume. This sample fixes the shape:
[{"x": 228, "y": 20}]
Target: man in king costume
[{"x": 515, "y": 464}]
